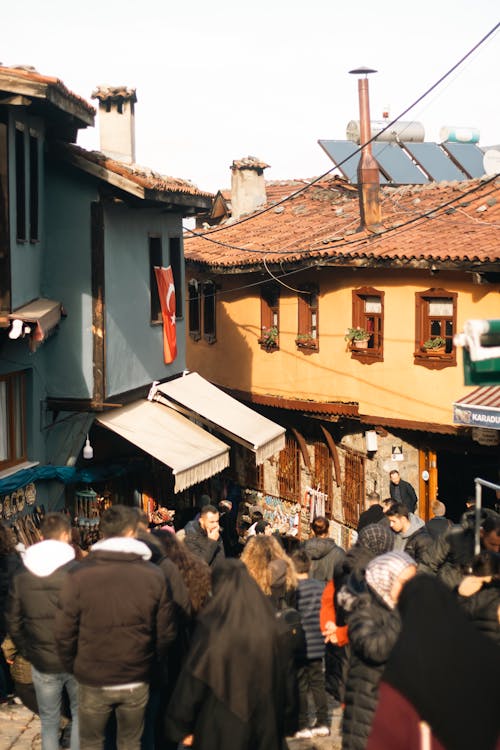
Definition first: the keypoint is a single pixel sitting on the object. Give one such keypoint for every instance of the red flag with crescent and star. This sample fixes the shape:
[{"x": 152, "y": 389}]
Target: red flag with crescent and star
[{"x": 166, "y": 290}]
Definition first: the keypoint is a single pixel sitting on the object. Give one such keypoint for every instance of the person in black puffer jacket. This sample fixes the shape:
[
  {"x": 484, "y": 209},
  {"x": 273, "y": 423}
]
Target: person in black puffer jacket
[
  {"x": 373, "y": 629},
  {"x": 479, "y": 594},
  {"x": 10, "y": 562},
  {"x": 326, "y": 556}
]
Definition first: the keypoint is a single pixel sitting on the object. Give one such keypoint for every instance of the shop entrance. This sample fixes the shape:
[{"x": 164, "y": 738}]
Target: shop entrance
[{"x": 456, "y": 474}]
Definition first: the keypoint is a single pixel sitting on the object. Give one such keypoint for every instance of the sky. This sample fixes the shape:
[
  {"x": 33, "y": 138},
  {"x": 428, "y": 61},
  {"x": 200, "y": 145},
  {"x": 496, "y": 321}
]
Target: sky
[{"x": 220, "y": 80}]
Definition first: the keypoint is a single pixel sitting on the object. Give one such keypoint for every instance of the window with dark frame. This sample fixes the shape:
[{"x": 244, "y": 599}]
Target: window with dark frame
[
  {"x": 368, "y": 313},
  {"x": 269, "y": 317},
  {"x": 435, "y": 317},
  {"x": 155, "y": 259},
  {"x": 12, "y": 419},
  {"x": 175, "y": 254},
  {"x": 34, "y": 192},
  {"x": 209, "y": 321},
  {"x": 20, "y": 163},
  {"x": 289, "y": 471},
  {"x": 307, "y": 327},
  {"x": 4, "y": 221},
  {"x": 323, "y": 474},
  {"x": 194, "y": 302},
  {"x": 353, "y": 491}
]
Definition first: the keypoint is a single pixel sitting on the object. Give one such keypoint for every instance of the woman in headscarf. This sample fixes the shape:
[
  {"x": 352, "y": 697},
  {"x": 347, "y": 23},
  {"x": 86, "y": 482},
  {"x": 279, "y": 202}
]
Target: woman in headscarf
[
  {"x": 230, "y": 694},
  {"x": 442, "y": 672},
  {"x": 373, "y": 628}
]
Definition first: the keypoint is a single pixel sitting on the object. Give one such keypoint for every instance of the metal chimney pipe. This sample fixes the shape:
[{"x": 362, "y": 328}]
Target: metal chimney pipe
[{"x": 368, "y": 171}]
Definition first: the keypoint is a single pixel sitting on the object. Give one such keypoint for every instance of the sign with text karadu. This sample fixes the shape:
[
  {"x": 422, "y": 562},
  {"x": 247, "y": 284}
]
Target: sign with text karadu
[{"x": 475, "y": 416}]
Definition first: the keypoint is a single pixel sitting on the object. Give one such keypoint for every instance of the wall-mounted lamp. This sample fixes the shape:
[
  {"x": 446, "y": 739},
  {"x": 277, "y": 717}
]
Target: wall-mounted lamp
[
  {"x": 88, "y": 451},
  {"x": 371, "y": 441}
]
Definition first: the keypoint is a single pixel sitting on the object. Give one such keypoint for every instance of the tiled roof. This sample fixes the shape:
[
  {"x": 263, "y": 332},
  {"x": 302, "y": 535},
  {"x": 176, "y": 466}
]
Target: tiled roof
[
  {"x": 140, "y": 176},
  {"x": 454, "y": 222},
  {"x": 26, "y": 74}
]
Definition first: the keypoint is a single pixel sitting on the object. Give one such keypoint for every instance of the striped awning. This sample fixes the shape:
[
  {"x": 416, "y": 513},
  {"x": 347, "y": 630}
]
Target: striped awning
[{"x": 480, "y": 408}]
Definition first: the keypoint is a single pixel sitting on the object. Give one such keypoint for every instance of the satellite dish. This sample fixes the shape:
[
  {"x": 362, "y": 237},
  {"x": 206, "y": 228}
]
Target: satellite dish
[{"x": 491, "y": 161}]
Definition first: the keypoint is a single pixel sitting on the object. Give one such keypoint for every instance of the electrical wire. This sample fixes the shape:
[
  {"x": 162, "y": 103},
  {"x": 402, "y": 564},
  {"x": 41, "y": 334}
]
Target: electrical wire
[{"x": 325, "y": 174}]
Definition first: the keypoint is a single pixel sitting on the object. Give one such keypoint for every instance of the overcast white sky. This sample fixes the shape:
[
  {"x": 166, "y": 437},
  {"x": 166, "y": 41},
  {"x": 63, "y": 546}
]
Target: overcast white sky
[{"x": 224, "y": 79}]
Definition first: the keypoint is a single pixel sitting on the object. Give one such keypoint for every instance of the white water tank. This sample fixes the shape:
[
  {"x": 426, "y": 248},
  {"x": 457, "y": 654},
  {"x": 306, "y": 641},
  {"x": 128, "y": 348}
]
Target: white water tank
[
  {"x": 453, "y": 134},
  {"x": 405, "y": 131}
]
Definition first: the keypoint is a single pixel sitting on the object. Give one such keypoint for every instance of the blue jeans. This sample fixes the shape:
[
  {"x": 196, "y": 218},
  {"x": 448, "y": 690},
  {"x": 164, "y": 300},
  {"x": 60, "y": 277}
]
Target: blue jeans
[{"x": 49, "y": 688}]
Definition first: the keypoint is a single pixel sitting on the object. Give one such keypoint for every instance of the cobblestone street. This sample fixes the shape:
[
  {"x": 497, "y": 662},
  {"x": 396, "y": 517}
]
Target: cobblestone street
[{"x": 20, "y": 730}]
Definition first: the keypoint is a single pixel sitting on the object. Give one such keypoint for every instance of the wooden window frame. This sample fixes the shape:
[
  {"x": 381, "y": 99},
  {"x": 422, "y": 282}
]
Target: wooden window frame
[
  {"x": 269, "y": 316},
  {"x": 34, "y": 185},
  {"x": 5, "y": 294},
  {"x": 155, "y": 260},
  {"x": 209, "y": 311},
  {"x": 308, "y": 318},
  {"x": 194, "y": 302},
  {"x": 423, "y": 323},
  {"x": 353, "y": 488},
  {"x": 176, "y": 262},
  {"x": 323, "y": 474},
  {"x": 16, "y": 430},
  {"x": 370, "y": 321}
]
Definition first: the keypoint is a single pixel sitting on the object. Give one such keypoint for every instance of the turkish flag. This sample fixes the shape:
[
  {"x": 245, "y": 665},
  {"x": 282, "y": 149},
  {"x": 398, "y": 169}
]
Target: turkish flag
[{"x": 166, "y": 290}]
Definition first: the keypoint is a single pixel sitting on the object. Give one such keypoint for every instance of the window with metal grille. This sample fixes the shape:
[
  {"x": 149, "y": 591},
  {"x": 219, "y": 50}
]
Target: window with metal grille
[
  {"x": 194, "y": 294},
  {"x": 368, "y": 313},
  {"x": 269, "y": 317},
  {"x": 435, "y": 323},
  {"x": 323, "y": 474},
  {"x": 307, "y": 328},
  {"x": 353, "y": 491},
  {"x": 289, "y": 471}
]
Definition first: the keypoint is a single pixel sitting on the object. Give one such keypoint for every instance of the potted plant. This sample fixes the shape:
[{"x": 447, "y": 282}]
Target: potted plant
[
  {"x": 306, "y": 341},
  {"x": 269, "y": 337},
  {"x": 435, "y": 345},
  {"x": 358, "y": 337}
]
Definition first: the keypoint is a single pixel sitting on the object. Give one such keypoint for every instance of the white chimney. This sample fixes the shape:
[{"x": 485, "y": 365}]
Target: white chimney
[
  {"x": 116, "y": 122},
  {"x": 248, "y": 188}
]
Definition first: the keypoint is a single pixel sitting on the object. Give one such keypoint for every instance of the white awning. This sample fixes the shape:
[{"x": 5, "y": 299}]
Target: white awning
[
  {"x": 191, "y": 452},
  {"x": 193, "y": 394},
  {"x": 43, "y": 315}
]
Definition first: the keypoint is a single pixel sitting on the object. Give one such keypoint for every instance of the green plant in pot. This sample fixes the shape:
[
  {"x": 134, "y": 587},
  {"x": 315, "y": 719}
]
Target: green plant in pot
[
  {"x": 357, "y": 337},
  {"x": 434, "y": 345}
]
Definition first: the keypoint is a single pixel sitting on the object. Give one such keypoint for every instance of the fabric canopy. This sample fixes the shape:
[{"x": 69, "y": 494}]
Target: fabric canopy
[
  {"x": 239, "y": 422},
  {"x": 44, "y": 314},
  {"x": 191, "y": 452},
  {"x": 480, "y": 408}
]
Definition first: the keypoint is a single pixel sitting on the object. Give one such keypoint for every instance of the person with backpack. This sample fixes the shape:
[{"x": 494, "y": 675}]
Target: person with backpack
[{"x": 310, "y": 673}]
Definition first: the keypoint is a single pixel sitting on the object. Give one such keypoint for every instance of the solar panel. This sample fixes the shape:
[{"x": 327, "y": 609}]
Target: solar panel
[
  {"x": 340, "y": 150},
  {"x": 469, "y": 156},
  {"x": 434, "y": 161},
  {"x": 397, "y": 166}
]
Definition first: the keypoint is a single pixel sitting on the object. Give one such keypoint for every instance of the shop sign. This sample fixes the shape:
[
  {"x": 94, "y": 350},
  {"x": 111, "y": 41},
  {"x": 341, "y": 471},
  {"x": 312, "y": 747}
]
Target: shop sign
[{"x": 484, "y": 436}]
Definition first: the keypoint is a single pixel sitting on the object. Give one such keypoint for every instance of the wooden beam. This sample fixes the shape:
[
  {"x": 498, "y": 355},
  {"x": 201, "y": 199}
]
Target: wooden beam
[
  {"x": 334, "y": 454},
  {"x": 79, "y": 405},
  {"x": 96, "y": 170},
  {"x": 98, "y": 304},
  {"x": 303, "y": 447}
]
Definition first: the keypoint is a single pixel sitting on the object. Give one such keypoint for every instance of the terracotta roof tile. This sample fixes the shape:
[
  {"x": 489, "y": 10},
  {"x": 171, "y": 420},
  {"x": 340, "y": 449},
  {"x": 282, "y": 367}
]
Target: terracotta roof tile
[
  {"x": 114, "y": 93},
  {"x": 141, "y": 176},
  {"x": 27, "y": 73},
  {"x": 447, "y": 221}
]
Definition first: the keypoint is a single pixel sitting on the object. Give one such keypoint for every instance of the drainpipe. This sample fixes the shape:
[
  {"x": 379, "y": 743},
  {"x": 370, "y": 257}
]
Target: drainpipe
[{"x": 368, "y": 171}]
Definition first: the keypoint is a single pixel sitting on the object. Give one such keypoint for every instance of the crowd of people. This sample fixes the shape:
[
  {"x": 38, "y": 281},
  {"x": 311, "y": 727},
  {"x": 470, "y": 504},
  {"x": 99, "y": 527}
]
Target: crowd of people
[{"x": 226, "y": 634}]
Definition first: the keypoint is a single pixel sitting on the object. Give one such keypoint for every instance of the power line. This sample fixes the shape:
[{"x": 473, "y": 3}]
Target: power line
[{"x": 287, "y": 198}]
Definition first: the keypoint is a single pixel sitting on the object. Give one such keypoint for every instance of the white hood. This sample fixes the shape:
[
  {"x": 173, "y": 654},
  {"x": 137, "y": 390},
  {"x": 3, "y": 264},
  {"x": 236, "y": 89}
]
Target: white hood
[
  {"x": 123, "y": 544},
  {"x": 43, "y": 558}
]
